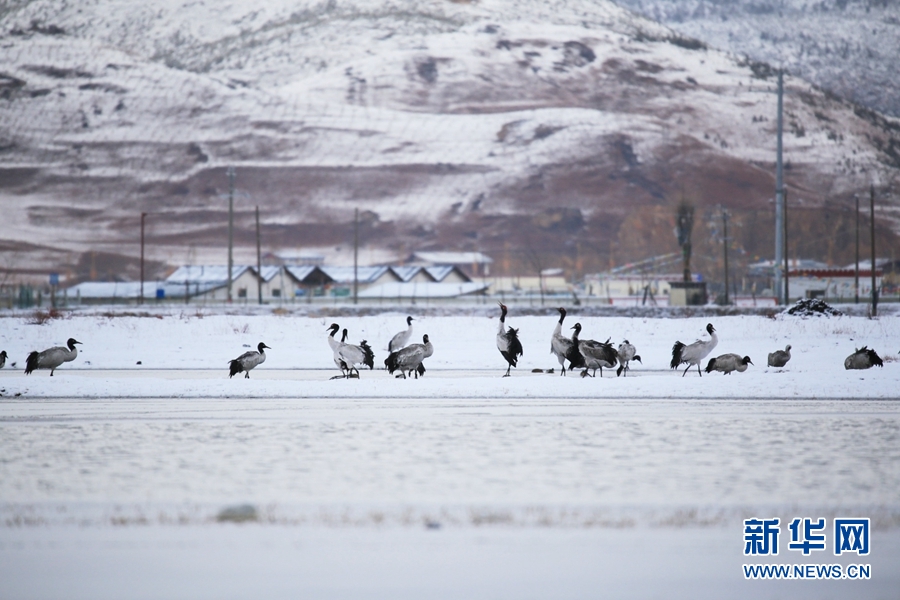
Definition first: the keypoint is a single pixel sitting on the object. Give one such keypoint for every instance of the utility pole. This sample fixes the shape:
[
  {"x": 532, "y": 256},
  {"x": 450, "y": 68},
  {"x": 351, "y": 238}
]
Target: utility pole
[
  {"x": 141, "y": 299},
  {"x": 787, "y": 267},
  {"x": 856, "y": 274},
  {"x": 355, "y": 256},
  {"x": 779, "y": 189},
  {"x": 872, "y": 235},
  {"x": 258, "y": 259},
  {"x": 230, "y": 227},
  {"x": 725, "y": 244}
]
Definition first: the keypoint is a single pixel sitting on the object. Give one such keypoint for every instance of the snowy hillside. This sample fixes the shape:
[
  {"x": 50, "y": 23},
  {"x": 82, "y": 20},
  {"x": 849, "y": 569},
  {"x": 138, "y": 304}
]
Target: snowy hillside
[
  {"x": 565, "y": 128},
  {"x": 846, "y": 46}
]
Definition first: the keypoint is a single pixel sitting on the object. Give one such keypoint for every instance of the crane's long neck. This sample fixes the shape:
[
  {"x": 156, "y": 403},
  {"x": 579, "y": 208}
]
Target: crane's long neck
[
  {"x": 558, "y": 329},
  {"x": 713, "y": 340}
]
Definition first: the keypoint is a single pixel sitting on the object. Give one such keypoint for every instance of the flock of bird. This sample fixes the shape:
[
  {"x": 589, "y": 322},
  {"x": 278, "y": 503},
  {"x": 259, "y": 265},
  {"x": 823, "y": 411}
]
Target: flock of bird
[{"x": 407, "y": 360}]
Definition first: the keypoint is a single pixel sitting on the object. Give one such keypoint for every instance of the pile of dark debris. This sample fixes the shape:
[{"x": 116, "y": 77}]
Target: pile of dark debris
[{"x": 813, "y": 307}]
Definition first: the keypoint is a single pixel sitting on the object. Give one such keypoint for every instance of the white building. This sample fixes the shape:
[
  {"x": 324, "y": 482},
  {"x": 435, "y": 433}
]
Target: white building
[{"x": 210, "y": 282}]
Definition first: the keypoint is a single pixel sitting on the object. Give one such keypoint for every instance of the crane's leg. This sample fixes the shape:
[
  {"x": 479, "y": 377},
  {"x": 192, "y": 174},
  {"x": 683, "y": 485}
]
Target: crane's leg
[
  {"x": 686, "y": 370},
  {"x": 247, "y": 375},
  {"x": 507, "y": 370},
  {"x": 698, "y": 370}
]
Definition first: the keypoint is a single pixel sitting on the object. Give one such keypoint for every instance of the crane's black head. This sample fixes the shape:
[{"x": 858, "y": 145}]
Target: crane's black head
[
  {"x": 261, "y": 346},
  {"x": 637, "y": 358},
  {"x": 746, "y": 360},
  {"x": 334, "y": 328},
  {"x": 562, "y": 311},
  {"x": 577, "y": 327},
  {"x": 3, "y": 354},
  {"x": 425, "y": 339},
  {"x": 409, "y": 320},
  {"x": 71, "y": 343},
  {"x": 710, "y": 328},
  {"x": 344, "y": 335}
]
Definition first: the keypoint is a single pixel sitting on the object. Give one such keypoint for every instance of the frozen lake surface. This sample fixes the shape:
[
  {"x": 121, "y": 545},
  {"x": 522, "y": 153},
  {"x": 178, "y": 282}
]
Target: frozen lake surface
[
  {"x": 114, "y": 476},
  {"x": 439, "y": 497},
  {"x": 507, "y": 452}
]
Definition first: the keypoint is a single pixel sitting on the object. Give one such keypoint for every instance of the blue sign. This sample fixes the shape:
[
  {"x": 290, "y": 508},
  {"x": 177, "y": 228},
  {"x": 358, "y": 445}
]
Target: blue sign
[
  {"x": 160, "y": 293},
  {"x": 54, "y": 278}
]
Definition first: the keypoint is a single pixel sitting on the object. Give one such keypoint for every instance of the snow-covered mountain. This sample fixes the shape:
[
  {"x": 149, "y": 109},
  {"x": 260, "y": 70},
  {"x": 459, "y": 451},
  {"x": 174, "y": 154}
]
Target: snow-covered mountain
[
  {"x": 556, "y": 133},
  {"x": 849, "y": 47}
]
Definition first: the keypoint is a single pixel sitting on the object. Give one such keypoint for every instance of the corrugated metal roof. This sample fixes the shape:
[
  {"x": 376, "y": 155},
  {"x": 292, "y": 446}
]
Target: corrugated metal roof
[
  {"x": 211, "y": 274},
  {"x": 454, "y": 258},
  {"x": 440, "y": 272},
  {"x": 423, "y": 290},
  {"x": 405, "y": 273},
  {"x": 132, "y": 289},
  {"x": 268, "y": 272},
  {"x": 365, "y": 275}
]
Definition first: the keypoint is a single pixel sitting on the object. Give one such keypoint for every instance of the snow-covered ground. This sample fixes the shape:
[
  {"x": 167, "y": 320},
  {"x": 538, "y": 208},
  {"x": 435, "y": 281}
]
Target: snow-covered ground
[
  {"x": 199, "y": 340},
  {"x": 116, "y": 476}
]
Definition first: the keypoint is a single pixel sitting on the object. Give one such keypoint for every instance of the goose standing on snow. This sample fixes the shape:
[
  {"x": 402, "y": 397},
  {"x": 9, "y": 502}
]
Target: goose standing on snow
[
  {"x": 562, "y": 346},
  {"x": 693, "y": 354},
  {"x": 727, "y": 363},
  {"x": 508, "y": 341},
  {"x": 401, "y": 339},
  {"x": 247, "y": 361},
  {"x": 863, "y": 358},
  {"x": 51, "y": 358},
  {"x": 409, "y": 359},
  {"x": 779, "y": 358},
  {"x": 626, "y": 355},
  {"x": 595, "y": 355},
  {"x": 347, "y": 356},
  {"x": 2, "y": 359}
]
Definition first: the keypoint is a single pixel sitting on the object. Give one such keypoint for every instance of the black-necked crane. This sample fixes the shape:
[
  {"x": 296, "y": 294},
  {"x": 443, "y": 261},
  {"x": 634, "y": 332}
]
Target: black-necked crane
[
  {"x": 779, "y": 358},
  {"x": 508, "y": 341},
  {"x": 562, "y": 346},
  {"x": 247, "y": 361},
  {"x": 401, "y": 339},
  {"x": 3, "y": 358},
  {"x": 409, "y": 359},
  {"x": 693, "y": 354},
  {"x": 348, "y": 356},
  {"x": 863, "y": 358},
  {"x": 728, "y": 363},
  {"x": 595, "y": 355},
  {"x": 627, "y": 353},
  {"x": 52, "y": 358}
]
